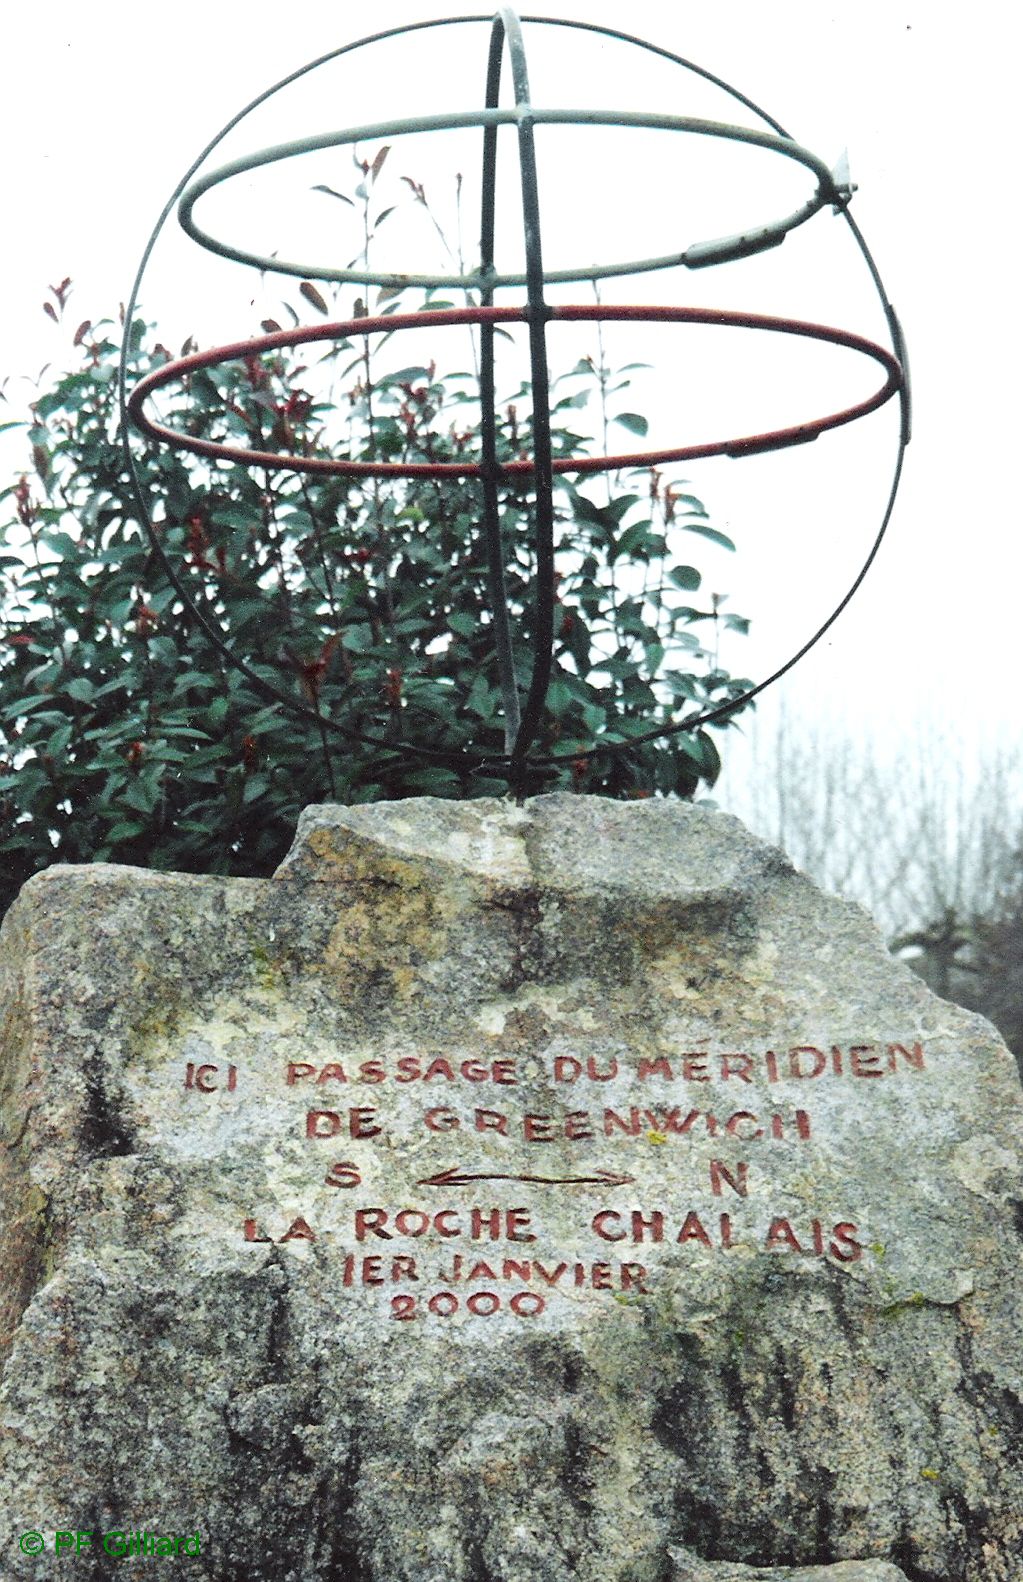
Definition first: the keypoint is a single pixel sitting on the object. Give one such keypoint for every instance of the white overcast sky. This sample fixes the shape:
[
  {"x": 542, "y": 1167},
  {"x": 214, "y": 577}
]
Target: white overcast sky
[{"x": 104, "y": 105}]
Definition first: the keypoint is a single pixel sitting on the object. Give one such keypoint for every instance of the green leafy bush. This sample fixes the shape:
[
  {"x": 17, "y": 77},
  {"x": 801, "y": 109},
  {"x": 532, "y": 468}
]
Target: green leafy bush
[{"x": 126, "y": 737}]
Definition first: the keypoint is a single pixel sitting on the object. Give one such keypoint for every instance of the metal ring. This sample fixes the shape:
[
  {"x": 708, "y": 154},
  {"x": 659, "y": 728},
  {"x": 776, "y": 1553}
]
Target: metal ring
[
  {"x": 697, "y": 256},
  {"x": 776, "y": 439}
]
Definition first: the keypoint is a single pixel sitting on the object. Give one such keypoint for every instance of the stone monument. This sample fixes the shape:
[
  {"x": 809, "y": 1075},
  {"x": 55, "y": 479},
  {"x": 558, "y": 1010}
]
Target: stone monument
[{"x": 558, "y": 1193}]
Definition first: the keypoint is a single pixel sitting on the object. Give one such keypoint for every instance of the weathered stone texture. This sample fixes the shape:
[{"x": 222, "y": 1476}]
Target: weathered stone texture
[
  {"x": 819, "y": 1375},
  {"x": 690, "y": 1569}
]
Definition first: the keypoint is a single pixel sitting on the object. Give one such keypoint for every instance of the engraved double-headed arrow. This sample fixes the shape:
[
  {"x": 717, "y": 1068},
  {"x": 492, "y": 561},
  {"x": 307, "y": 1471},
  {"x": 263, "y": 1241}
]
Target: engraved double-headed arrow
[{"x": 456, "y": 1177}]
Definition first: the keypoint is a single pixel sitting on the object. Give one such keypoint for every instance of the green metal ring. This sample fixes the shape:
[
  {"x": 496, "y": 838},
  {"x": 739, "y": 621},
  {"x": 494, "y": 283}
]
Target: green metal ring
[{"x": 697, "y": 256}]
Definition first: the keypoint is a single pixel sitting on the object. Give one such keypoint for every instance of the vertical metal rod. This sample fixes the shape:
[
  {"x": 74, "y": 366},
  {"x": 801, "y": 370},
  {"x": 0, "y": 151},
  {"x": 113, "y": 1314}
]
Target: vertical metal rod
[
  {"x": 543, "y": 634},
  {"x": 496, "y": 582}
]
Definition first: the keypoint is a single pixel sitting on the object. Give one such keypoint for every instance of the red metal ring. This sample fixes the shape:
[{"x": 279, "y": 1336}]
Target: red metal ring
[{"x": 775, "y": 439}]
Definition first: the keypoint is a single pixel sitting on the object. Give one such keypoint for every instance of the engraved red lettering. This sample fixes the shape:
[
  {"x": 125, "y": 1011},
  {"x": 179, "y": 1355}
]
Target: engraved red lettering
[
  {"x": 298, "y": 1230},
  {"x": 533, "y": 1129},
  {"x": 439, "y": 1068},
  {"x": 371, "y": 1219},
  {"x": 517, "y": 1223},
  {"x": 411, "y": 1222},
  {"x": 331, "y": 1073},
  {"x": 253, "y": 1232},
  {"x": 232, "y": 1078},
  {"x": 771, "y": 1060},
  {"x": 527, "y": 1304},
  {"x": 694, "y": 1068},
  {"x": 567, "y": 1068},
  {"x": 692, "y": 1230},
  {"x": 633, "y": 1275},
  {"x": 403, "y": 1268},
  {"x": 669, "y": 1121},
  {"x": 481, "y": 1271},
  {"x": 654, "y": 1223},
  {"x": 343, "y": 1174},
  {"x": 602, "y": 1223},
  {"x": 865, "y": 1061},
  {"x": 913, "y": 1057},
  {"x": 836, "y": 1060},
  {"x": 372, "y": 1271},
  {"x": 440, "y": 1120},
  {"x": 631, "y": 1127},
  {"x": 409, "y": 1069},
  {"x": 474, "y": 1071},
  {"x": 202, "y": 1082},
  {"x": 190, "y": 1074},
  {"x": 735, "y": 1121},
  {"x": 659, "y": 1067},
  {"x": 492, "y": 1121},
  {"x": 802, "y": 1120},
  {"x": 600, "y": 1276},
  {"x": 577, "y": 1124},
  {"x": 483, "y": 1303},
  {"x": 820, "y": 1060},
  {"x": 360, "y": 1122},
  {"x": 600, "y": 1076},
  {"x": 551, "y": 1279},
  {"x": 725, "y": 1221},
  {"x": 322, "y": 1123},
  {"x": 372, "y": 1071},
  {"x": 740, "y": 1066},
  {"x": 493, "y": 1224},
  {"x": 298, "y": 1069},
  {"x": 504, "y": 1072},
  {"x": 512, "y": 1269},
  {"x": 403, "y": 1306},
  {"x": 782, "y": 1238},
  {"x": 844, "y": 1245},
  {"x": 443, "y": 1229},
  {"x": 720, "y": 1173}
]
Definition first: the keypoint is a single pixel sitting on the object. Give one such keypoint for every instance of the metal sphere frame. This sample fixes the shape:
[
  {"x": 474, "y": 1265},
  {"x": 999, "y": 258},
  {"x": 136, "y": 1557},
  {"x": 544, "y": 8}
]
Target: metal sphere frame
[{"x": 521, "y": 726}]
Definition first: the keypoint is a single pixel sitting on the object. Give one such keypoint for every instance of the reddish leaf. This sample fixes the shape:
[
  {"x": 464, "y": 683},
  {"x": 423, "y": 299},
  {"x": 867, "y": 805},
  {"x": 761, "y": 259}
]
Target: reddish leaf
[
  {"x": 311, "y": 294},
  {"x": 81, "y": 332},
  {"x": 378, "y": 163},
  {"x": 49, "y": 308}
]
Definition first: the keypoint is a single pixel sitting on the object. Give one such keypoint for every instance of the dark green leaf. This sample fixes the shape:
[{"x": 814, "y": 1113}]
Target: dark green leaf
[{"x": 633, "y": 421}]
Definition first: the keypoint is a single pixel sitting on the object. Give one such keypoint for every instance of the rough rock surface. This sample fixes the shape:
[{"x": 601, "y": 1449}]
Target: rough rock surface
[
  {"x": 689, "y": 1569},
  {"x": 566, "y": 1193}
]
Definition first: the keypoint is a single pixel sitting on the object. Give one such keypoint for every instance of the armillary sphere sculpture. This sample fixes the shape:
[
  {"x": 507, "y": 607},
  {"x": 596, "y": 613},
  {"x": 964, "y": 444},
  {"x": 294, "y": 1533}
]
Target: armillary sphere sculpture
[{"x": 832, "y": 190}]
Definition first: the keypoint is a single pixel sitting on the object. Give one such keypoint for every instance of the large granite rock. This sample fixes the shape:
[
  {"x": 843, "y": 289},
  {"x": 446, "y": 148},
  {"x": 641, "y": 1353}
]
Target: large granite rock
[{"x": 502, "y": 1195}]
